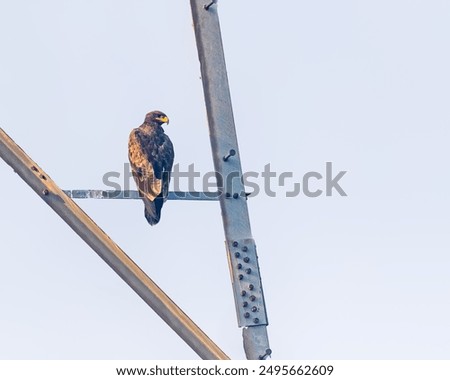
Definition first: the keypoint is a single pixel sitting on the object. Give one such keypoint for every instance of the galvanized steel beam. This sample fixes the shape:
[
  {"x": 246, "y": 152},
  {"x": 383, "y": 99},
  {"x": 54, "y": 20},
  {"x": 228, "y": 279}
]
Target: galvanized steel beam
[
  {"x": 133, "y": 194},
  {"x": 111, "y": 253},
  {"x": 243, "y": 260}
]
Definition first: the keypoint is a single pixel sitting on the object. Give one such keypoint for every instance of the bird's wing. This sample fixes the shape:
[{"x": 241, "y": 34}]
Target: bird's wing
[
  {"x": 149, "y": 184},
  {"x": 166, "y": 154}
]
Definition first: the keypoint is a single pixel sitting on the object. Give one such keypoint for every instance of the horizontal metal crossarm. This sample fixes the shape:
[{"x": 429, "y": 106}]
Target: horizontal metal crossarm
[
  {"x": 133, "y": 194},
  {"x": 109, "y": 251}
]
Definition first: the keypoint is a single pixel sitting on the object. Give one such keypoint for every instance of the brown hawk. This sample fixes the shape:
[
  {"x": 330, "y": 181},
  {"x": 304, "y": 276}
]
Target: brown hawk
[{"x": 151, "y": 155}]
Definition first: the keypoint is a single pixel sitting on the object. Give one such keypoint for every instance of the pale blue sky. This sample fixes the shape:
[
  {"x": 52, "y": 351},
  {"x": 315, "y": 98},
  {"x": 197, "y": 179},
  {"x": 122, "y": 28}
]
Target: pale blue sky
[{"x": 365, "y": 85}]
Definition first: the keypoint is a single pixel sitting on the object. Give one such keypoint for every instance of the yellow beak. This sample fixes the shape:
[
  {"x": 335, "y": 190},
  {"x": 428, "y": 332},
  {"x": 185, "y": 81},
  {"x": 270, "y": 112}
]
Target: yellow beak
[{"x": 163, "y": 119}]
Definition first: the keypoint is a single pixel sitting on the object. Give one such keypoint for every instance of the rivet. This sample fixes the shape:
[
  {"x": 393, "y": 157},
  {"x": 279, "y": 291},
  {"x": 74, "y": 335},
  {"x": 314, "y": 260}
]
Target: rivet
[
  {"x": 251, "y": 287},
  {"x": 241, "y": 276},
  {"x": 239, "y": 266},
  {"x": 235, "y": 244},
  {"x": 245, "y": 249},
  {"x": 243, "y": 293},
  {"x": 248, "y": 271},
  {"x": 246, "y": 259},
  {"x": 34, "y": 168},
  {"x": 246, "y": 315},
  {"x": 235, "y": 195},
  {"x": 43, "y": 177},
  {"x": 244, "y": 304},
  {"x": 45, "y": 192},
  {"x": 256, "y": 320},
  {"x": 237, "y": 254},
  {"x": 252, "y": 298},
  {"x": 254, "y": 309}
]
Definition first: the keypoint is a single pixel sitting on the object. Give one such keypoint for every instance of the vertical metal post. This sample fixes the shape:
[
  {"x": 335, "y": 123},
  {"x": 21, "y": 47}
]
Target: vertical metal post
[{"x": 241, "y": 249}]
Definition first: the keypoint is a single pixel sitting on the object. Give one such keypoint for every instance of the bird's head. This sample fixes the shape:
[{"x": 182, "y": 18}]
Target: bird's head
[{"x": 156, "y": 117}]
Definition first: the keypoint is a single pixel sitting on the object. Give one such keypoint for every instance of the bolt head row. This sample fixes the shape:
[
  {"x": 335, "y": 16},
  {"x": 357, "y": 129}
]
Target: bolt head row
[{"x": 247, "y": 315}]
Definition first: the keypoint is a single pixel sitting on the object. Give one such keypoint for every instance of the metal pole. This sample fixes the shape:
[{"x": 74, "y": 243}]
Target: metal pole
[
  {"x": 102, "y": 244},
  {"x": 241, "y": 248}
]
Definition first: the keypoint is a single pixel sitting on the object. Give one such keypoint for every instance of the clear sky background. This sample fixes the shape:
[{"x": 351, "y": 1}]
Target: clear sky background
[{"x": 364, "y": 85}]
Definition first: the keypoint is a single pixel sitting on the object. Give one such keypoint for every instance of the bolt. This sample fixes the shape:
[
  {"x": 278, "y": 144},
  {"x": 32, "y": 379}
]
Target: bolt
[
  {"x": 246, "y": 259},
  {"x": 207, "y": 6},
  {"x": 243, "y": 293},
  {"x": 254, "y": 309},
  {"x": 239, "y": 266},
  {"x": 34, "y": 168},
  {"x": 268, "y": 352},
  {"x": 235, "y": 195},
  {"x": 227, "y": 195},
  {"x": 237, "y": 254},
  {"x": 45, "y": 192},
  {"x": 251, "y": 287},
  {"x": 245, "y": 249},
  {"x": 43, "y": 177},
  {"x": 230, "y": 154},
  {"x": 256, "y": 320},
  {"x": 252, "y": 298},
  {"x": 235, "y": 244},
  {"x": 241, "y": 276},
  {"x": 248, "y": 271},
  {"x": 246, "y": 315},
  {"x": 245, "y": 304}
]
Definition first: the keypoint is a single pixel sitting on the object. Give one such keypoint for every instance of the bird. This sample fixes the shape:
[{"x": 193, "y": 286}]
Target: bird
[{"x": 151, "y": 156}]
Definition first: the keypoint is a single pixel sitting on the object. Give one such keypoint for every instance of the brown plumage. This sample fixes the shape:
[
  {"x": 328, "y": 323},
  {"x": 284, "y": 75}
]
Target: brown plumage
[{"x": 151, "y": 154}]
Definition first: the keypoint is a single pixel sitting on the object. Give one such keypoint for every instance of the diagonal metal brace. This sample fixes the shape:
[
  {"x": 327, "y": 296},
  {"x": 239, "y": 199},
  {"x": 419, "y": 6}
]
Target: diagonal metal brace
[{"x": 109, "y": 251}]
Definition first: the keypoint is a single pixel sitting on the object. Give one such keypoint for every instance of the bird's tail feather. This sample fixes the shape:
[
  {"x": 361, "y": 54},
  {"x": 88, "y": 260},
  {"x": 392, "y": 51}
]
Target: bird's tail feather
[{"x": 152, "y": 210}]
